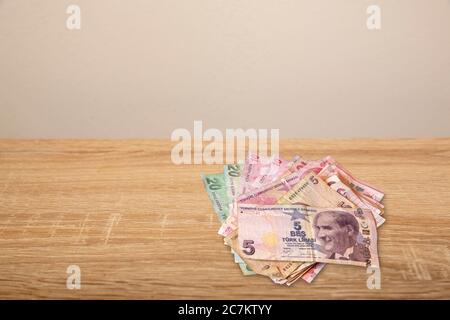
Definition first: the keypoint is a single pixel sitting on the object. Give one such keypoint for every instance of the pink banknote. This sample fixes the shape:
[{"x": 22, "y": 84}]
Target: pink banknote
[
  {"x": 259, "y": 171},
  {"x": 350, "y": 180}
]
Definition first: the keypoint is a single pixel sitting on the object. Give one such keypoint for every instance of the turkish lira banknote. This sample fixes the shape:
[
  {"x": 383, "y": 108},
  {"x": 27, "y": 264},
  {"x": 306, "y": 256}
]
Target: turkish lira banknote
[
  {"x": 287, "y": 219},
  {"x": 308, "y": 234},
  {"x": 218, "y": 188}
]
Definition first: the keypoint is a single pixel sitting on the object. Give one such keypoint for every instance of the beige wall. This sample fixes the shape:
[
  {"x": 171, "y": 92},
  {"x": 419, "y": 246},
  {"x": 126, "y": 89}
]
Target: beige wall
[{"x": 143, "y": 68}]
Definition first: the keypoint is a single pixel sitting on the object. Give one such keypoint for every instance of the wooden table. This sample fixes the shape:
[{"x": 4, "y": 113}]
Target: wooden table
[{"x": 139, "y": 226}]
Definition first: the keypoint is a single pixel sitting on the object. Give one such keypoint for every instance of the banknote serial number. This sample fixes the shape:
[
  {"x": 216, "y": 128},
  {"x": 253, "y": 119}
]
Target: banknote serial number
[{"x": 232, "y": 309}]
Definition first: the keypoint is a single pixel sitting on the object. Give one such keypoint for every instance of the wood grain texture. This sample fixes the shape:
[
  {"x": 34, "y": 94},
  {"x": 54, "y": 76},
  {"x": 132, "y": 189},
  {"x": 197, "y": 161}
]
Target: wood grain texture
[{"x": 140, "y": 227}]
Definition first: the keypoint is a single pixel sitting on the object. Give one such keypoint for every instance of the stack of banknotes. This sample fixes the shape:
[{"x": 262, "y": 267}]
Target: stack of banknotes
[{"x": 287, "y": 219}]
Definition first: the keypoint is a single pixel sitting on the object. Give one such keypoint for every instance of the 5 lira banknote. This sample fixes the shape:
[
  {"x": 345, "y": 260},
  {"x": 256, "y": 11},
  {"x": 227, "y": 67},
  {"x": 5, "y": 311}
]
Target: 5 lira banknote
[{"x": 287, "y": 219}]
